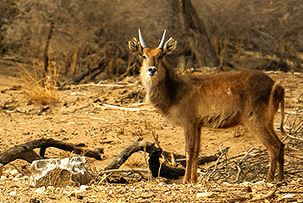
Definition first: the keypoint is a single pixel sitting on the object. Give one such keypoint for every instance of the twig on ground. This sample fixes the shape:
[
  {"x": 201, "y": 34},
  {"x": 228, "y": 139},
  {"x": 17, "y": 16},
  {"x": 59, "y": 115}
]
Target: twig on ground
[
  {"x": 122, "y": 172},
  {"x": 105, "y": 176},
  {"x": 156, "y": 138},
  {"x": 217, "y": 162},
  {"x": 97, "y": 118},
  {"x": 81, "y": 117},
  {"x": 202, "y": 160},
  {"x": 121, "y": 141},
  {"x": 293, "y": 137},
  {"x": 110, "y": 171},
  {"x": 240, "y": 163},
  {"x": 173, "y": 159},
  {"x": 126, "y": 109}
]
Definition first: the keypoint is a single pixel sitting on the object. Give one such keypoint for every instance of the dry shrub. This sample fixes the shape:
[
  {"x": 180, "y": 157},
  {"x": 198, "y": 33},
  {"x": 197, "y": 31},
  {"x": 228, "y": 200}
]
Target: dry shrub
[
  {"x": 220, "y": 46},
  {"x": 43, "y": 91},
  {"x": 266, "y": 27},
  {"x": 87, "y": 31},
  {"x": 111, "y": 56}
]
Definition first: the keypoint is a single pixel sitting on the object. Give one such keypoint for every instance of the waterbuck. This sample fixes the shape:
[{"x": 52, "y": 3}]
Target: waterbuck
[{"x": 224, "y": 100}]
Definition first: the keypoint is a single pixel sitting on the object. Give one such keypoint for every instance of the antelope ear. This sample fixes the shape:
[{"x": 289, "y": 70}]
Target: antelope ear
[
  {"x": 135, "y": 46},
  {"x": 169, "y": 46}
]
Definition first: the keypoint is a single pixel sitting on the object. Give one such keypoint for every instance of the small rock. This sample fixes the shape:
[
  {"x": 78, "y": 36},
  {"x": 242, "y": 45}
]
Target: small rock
[
  {"x": 60, "y": 173},
  {"x": 13, "y": 193},
  {"x": 247, "y": 189},
  {"x": 226, "y": 184},
  {"x": 206, "y": 194},
  {"x": 72, "y": 194},
  {"x": 79, "y": 196},
  {"x": 50, "y": 187},
  {"x": 289, "y": 196},
  {"x": 245, "y": 183},
  {"x": 14, "y": 172},
  {"x": 35, "y": 200},
  {"x": 40, "y": 190},
  {"x": 83, "y": 188},
  {"x": 300, "y": 181},
  {"x": 18, "y": 176}
]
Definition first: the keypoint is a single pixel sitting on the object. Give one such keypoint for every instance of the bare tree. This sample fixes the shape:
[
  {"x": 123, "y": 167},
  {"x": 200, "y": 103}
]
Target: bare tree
[
  {"x": 87, "y": 32},
  {"x": 196, "y": 35}
]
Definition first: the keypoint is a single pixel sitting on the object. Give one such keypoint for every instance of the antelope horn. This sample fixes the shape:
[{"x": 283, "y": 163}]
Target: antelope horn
[
  {"x": 141, "y": 39},
  {"x": 162, "y": 40}
]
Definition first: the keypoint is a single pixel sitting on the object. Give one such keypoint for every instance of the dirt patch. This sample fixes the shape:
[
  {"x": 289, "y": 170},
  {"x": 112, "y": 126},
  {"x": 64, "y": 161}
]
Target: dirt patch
[{"x": 81, "y": 117}]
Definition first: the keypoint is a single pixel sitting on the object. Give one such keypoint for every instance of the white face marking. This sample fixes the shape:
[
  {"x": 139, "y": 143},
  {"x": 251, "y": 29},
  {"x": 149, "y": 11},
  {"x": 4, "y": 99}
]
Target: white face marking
[{"x": 151, "y": 71}]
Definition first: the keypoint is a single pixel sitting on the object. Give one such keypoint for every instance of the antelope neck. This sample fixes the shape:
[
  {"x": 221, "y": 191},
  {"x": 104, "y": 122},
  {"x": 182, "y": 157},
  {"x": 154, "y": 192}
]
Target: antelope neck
[{"x": 163, "y": 95}]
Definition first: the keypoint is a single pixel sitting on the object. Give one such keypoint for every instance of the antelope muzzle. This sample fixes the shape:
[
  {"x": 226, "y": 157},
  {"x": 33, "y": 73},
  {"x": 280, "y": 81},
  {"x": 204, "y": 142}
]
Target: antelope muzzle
[{"x": 151, "y": 71}]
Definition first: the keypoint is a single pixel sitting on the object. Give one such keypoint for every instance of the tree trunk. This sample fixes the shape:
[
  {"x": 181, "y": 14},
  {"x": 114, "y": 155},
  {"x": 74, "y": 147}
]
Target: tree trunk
[
  {"x": 46, "y": 58},
  {"x": 197, "y": 38}
]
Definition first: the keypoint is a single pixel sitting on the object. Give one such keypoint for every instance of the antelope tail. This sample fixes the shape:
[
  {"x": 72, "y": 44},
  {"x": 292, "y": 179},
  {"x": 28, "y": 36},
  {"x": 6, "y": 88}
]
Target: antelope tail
[{"x": 276, "y": 99}]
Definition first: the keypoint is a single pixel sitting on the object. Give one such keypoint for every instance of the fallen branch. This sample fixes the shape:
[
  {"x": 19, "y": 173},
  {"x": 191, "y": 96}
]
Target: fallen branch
[
  {"x": 126, "y": 109},
  {"x": 77, "y": 79},
  {"x": 136, "y": 146},
  {"x": 26, "y": 151},
  {"x": 140, "y": 145}
]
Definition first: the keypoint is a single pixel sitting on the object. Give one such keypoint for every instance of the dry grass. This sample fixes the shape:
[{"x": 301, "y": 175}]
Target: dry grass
[{"x": 41, "y": 91}]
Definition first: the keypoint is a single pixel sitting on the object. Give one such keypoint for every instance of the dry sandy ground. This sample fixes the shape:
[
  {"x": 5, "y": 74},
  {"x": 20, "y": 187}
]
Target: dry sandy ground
[{"x": 79, "y": 118}]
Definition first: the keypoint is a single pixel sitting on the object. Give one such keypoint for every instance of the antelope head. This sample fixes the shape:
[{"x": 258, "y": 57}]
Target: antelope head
[{"x": 152, "y": 65}]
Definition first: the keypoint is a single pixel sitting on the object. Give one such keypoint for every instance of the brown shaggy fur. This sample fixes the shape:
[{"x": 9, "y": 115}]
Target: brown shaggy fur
[{"x": 225, "y": 100}]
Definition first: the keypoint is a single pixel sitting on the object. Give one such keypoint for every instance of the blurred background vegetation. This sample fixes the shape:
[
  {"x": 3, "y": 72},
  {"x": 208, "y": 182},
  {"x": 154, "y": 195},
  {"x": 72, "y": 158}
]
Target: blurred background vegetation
[{"x": 87, "y": 39}]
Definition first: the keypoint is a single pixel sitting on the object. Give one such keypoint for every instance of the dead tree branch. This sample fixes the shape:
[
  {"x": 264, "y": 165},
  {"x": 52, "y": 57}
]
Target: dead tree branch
[
  {"x": 140, "y": 145},
  {"x": 136, "y": 146},
  {"x": 26, "y": 151},
  {"x": 77, "y": 79}
]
